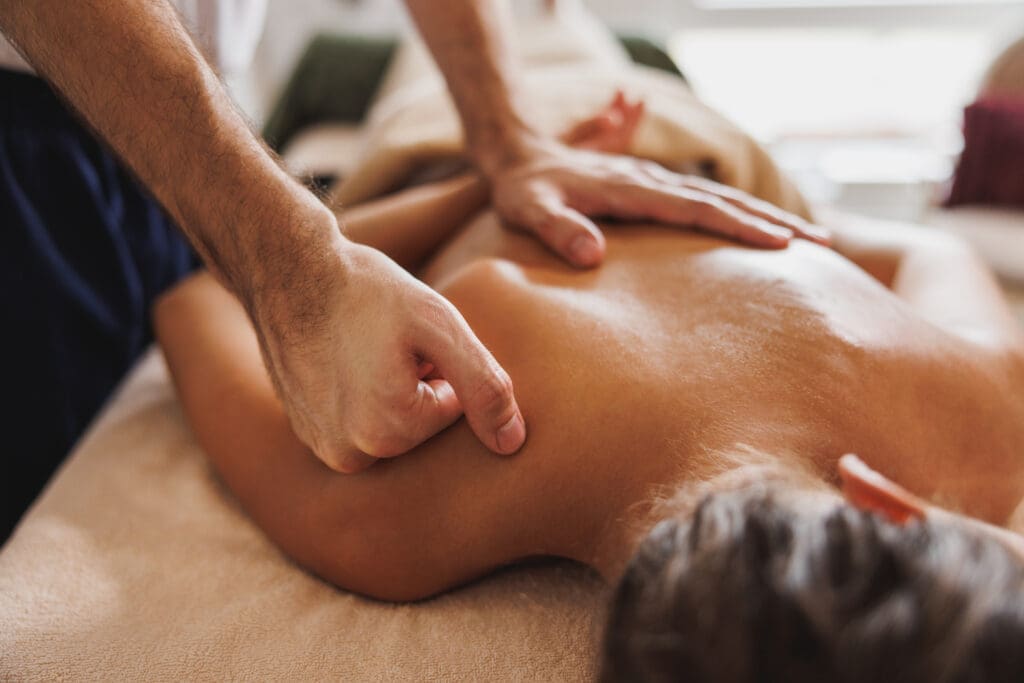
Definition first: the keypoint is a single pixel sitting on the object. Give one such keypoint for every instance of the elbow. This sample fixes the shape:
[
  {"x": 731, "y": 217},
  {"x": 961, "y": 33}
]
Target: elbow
[{"x": 377, "y": 553}]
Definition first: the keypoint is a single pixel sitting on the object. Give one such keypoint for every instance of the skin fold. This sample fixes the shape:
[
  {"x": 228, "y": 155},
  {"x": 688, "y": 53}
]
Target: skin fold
[{"x": 638, "y": 379}]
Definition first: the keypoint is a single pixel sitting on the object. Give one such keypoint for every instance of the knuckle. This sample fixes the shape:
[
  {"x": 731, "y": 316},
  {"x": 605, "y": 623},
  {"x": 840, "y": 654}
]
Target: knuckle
[
  {"x": 536, "y": 216},
  {"x": 434, "y": 311},
  {"x": 433, "y": 318},
  {"x": 379, "y": 445},
  {"x": 371, "y": 436},
  {"x": 546, "y": 224},
  {"x": 332, "y": 458},
  {"x": 328, "y": 448},
  {"x": 494, "y": 393}
]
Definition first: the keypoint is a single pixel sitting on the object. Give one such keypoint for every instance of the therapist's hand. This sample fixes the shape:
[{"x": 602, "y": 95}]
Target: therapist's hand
[
  {"x": 347, "y": 336},
  {"x": 370, "y": 362},
  {"x": 552, "y": 190}
]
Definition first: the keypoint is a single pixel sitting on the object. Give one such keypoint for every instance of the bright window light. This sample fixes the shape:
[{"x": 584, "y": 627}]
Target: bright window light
[
  {"x": 781, "y": 82},
  {"x": 730, "y": 4}
]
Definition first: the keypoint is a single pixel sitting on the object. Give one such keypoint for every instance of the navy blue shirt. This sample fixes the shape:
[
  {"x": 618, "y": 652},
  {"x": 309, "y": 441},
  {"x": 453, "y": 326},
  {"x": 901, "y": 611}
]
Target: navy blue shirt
[{"x": 84, "y": 252}]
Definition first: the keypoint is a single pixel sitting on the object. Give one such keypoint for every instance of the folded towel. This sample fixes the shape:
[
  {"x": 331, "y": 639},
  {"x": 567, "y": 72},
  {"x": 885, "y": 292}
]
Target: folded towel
[{"x": 417, "y": 125}]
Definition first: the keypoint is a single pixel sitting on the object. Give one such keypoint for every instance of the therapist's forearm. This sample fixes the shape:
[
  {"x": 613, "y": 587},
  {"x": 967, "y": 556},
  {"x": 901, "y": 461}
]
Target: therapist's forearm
[
  {"x": 470, "y": 47},
  {"x": 133, "y": 72}
]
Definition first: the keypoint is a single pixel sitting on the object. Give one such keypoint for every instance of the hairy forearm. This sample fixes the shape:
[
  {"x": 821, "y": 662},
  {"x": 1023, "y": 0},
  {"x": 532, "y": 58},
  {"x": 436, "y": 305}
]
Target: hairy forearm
[
  {"x": 132, "y": 71},
  {"x": 470, "y": 47}
]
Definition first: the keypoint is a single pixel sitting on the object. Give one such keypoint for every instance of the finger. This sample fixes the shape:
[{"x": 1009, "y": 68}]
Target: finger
[
  {"x": 566, "y": 231},
  {"x": 436, "y": 408},
  {"x": 631, "y": 119},
  {"x": 765, "y": 210},
  {"x": 774, "y": 214},
  {"x": 356, "y": 462},
  {"x": 590, "y": 128},
  {"x": 708, "y": 212},
  {"x": 483, "y": 388},
  {"x": 636, "y": 113},
  {"x": 423, "y": 369},
  {"x": 619, "y": 100},
  {"x": 432, "y": 408}
]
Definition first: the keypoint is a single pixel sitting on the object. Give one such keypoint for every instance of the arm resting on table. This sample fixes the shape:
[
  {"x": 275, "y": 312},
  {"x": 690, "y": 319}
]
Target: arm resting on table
[
  {"x": 403, "y": 530},
  {"x": 938, "y": 274}
]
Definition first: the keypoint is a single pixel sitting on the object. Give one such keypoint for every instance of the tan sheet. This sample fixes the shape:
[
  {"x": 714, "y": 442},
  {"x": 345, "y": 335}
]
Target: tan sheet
[
  {"x": 417, "y": 124},
  {"x": 136, "y": 565}
]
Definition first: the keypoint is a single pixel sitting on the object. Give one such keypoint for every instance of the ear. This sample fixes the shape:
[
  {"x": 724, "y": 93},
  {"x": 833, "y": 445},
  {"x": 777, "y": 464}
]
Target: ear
[{"x": 866, "y": 489}]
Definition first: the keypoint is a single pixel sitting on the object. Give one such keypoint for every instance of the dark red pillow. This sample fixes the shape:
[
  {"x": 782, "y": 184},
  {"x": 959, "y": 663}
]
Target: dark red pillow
[{"x": 991, "y": 168}]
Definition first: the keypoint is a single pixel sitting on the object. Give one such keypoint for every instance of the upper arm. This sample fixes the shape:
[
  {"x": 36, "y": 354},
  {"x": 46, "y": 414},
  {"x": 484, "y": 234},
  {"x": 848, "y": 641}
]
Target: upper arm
[
  {"x": 404, "y": 529},
  {"x": 938, "y": 275},
  {"x": 410, "y": 225}
]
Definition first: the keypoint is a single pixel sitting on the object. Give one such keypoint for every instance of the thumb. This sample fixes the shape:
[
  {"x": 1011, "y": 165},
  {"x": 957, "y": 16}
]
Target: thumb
[
  {"x": 481, "y": 385},
  {"x": 567, "y": 232},
  {"x": 437, "y": 407}
]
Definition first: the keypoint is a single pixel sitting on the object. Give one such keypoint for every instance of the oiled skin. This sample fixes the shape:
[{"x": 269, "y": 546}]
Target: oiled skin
[
  {"x": 683, "y": 344},
  {"x": 631, "y": 377}
]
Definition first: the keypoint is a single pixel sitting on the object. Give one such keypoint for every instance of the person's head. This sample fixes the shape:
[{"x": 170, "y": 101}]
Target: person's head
[{"x": 780, "y": 579}]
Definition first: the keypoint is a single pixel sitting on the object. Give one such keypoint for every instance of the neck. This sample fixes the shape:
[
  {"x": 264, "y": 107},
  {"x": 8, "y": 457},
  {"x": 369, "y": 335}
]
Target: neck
[{"x": 613, "y": 548}]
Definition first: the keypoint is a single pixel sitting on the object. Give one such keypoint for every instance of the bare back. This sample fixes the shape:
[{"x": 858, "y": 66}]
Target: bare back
[
  {"x": 682, "y": 345},
  {"x": 632, "y": 378}
]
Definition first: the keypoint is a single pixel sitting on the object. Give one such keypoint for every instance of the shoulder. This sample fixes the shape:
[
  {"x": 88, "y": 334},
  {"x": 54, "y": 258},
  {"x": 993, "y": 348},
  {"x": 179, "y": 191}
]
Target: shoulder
[{"x": 482, "y": 275}]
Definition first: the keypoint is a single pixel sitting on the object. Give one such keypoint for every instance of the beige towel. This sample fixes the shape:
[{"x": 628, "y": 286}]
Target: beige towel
[
  {"x": 135, "y": 564},
  {"x": 418, "y": 125}
]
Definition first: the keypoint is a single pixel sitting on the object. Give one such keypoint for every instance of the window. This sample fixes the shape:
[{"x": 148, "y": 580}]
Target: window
[{"x": 848, "y": 94}]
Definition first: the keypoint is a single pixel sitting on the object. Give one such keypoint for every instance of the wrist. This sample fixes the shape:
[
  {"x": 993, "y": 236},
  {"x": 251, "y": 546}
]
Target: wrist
[
  {"x": 288, "y": 292},
  {"x": 502, "y": 146},
  {"x": 278, "y": 241}
]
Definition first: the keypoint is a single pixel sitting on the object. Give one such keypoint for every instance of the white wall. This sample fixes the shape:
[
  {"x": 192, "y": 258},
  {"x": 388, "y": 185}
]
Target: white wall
[{"x": 291, "y": 23}]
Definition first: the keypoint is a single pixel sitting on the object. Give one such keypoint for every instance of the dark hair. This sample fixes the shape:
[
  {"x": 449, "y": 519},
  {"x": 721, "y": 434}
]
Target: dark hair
[{"x": 757, "y": 588}]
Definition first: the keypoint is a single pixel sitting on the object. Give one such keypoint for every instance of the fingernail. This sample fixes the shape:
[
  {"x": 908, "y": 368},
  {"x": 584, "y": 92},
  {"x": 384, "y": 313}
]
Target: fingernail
[
  {"x": 584, "y": 250},
  {"x": 511, "y": 435},
  {"x": 820, "y": 234}
]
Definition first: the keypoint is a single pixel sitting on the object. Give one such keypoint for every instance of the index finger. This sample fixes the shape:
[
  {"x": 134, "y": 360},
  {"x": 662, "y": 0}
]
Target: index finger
[
  {"x": 763, "y": 209},
  {"x": 685, "y": 206},
  {"x": 482, "y": 386},
  {"x": 743, "y": 201}
]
